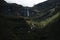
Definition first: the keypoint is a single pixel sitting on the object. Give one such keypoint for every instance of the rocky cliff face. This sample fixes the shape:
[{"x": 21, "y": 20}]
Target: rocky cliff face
[{"x": 10, "y": 9}]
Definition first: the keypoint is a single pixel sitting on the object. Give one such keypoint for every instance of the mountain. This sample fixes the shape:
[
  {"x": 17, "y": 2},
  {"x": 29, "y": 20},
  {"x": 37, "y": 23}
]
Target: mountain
[
  {"x": 10, "y": 9},
  {"x": 40, "y": 22},
  {"x": 2, "y": 3},
  {"x": 44, "y": 9},
  {"x": 36, "y": 13}
]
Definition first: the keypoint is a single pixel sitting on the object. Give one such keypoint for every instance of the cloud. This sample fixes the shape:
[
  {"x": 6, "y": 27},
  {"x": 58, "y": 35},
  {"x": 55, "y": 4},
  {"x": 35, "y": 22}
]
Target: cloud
[{"x": 29, "y": 3}]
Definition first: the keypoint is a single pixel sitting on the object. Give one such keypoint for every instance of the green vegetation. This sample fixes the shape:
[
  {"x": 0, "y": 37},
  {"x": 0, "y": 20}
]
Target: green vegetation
[
  {"x": 10, "y": 27},
  {"x": 44, "y": 22},
  {"x": 49, "y": 20}
]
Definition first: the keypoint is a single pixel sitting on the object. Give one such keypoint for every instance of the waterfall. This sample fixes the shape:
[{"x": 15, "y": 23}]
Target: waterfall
[{"x": 27, "y": 12}]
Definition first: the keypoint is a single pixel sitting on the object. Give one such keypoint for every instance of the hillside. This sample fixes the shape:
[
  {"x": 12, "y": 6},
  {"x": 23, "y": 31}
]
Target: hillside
[
  {"x": 46, "y": 15},
  {"x": 11, "y": 26},
  {"x": 42, "y": 22}
]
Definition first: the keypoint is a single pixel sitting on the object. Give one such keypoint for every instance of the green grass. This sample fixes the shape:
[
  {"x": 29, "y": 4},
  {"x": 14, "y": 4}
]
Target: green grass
[
  {"x": 49, "y": 20},
  {"x": 45, "y": 22}
]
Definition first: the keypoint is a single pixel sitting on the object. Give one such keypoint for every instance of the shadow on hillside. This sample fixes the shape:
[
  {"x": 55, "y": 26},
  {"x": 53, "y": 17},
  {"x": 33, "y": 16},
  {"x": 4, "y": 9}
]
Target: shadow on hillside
[{"x": 12, "y": 28}]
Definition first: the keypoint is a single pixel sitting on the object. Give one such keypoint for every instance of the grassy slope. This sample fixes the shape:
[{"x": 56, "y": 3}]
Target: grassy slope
[
  {"x": 49, "y": 20},
  {"x": 44, "y": 22}
]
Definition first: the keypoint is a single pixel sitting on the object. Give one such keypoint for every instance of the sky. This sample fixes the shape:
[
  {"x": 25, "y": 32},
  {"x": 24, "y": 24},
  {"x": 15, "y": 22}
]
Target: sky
[{"x": 28, "y": 3}]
